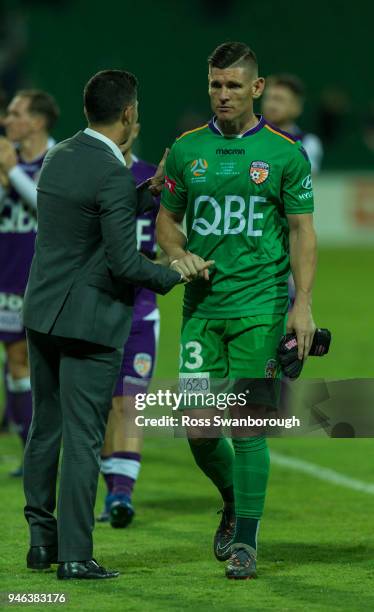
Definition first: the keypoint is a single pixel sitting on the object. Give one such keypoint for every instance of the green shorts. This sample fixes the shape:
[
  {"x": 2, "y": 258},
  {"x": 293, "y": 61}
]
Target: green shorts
[{"x": 214, "y": 350}]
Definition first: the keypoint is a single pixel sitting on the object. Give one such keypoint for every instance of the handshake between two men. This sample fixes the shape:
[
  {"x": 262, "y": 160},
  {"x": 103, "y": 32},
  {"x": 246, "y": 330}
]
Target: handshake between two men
[{"x": 191, "y": 266}]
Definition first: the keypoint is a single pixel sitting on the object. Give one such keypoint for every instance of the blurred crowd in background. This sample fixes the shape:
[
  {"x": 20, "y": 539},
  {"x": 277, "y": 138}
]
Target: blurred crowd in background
[{"x": 344, "y": 125}]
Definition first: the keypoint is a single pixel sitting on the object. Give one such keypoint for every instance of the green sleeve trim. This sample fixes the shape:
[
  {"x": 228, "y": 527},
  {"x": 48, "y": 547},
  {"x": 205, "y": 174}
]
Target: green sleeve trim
[{"x": 300, "y": 212}]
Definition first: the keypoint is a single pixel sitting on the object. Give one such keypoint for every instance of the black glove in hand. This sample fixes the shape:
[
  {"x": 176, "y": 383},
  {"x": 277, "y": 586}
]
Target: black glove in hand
[
  {"x": 321, "y": 342},
  {"x": 290, "y": 364}
]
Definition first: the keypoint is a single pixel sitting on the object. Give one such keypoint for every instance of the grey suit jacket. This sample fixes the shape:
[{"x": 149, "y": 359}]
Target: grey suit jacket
[{"x": 86, "y": 263}]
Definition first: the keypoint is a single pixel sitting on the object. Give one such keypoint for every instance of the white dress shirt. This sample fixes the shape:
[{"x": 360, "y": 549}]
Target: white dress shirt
[{"x": 116, "y": 150}]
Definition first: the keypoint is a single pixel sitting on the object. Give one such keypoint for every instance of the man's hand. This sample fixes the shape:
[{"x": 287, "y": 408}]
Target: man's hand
[
  {"x": 192, "y": 266},
  {"x": 157, "y": 181},
  {"x": 8, "y": 157},
  {"x": 300, "y": 321}
]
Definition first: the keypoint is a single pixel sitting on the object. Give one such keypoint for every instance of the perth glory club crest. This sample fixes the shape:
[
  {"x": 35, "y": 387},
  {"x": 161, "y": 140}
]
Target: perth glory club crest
[
  {"x": 142, "y": 364},
  {"x": 259, "y": 172}
]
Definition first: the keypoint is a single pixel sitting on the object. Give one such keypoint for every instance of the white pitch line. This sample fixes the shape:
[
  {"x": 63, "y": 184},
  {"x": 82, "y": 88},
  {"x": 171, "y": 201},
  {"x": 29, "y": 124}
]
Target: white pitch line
[{"x": 322, "y": 473}]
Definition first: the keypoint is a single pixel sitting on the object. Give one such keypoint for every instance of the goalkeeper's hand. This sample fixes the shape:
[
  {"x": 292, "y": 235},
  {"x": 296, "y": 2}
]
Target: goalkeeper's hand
[{"x": 300, "y": 321}]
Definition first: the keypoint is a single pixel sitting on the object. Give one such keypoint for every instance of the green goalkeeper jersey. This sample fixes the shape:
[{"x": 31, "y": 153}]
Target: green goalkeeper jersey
[{"x": 235, "y": 193}]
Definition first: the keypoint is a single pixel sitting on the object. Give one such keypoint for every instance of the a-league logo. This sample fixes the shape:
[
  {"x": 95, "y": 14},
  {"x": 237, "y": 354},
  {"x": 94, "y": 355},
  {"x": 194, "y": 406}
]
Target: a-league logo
[
  {"x": 259, "y": 171},
  {"x": 199, "y": 167}
]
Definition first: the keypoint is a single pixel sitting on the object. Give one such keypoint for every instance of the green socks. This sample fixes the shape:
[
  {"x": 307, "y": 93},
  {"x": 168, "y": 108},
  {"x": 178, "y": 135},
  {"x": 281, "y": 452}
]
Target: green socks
[
  {"x": 251, "y": 472},
  {"x": 246, "y": 531},
  {"x": 247, "y": 470},
  {"x": 215, "y": 457}
]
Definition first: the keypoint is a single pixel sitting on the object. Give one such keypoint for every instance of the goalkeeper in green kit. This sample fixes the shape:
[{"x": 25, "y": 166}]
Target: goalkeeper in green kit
[{"x": 245, "y": 190}]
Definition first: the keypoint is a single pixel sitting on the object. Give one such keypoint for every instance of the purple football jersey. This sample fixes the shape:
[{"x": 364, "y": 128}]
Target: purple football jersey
[
  {"x": 17, "y": 240},
  {"x": 145, "y": 300}
]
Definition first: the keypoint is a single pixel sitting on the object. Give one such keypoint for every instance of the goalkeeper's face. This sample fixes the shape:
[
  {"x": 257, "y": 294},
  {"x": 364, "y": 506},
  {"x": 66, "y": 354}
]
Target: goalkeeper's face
[{"x": 232, "y": 91}]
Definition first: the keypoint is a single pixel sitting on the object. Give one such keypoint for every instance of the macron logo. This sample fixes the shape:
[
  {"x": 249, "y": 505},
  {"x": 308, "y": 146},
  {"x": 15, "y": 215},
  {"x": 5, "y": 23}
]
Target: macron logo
[{"x": 230, "y": 152}]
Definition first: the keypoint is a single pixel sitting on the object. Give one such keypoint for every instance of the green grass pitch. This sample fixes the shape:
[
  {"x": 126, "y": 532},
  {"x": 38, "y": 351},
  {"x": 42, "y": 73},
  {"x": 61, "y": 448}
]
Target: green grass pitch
[{"x": 316, "y": 545}]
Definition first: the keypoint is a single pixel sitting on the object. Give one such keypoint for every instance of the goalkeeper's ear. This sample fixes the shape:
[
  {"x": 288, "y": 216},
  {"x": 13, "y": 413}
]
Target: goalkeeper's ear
[{"x": 258, "y": 87}]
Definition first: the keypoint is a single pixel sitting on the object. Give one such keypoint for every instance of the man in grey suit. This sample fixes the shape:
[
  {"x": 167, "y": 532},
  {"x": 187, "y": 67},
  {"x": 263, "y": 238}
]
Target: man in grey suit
[{"x": 77, "y": 312}]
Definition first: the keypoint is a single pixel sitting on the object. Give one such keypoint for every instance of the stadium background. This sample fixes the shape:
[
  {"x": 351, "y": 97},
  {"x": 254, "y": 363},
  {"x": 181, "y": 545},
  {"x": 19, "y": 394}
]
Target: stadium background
[{"x": 317, "y": 544}]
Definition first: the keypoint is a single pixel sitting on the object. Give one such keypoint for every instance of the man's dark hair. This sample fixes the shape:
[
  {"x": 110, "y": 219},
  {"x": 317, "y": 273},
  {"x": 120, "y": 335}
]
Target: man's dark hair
[
  {"x": 41, "y": 103},
  {"x": 230, "y": 53},
  {"x": 290, "y": 81},
  {"x": 107, "y": 93}
]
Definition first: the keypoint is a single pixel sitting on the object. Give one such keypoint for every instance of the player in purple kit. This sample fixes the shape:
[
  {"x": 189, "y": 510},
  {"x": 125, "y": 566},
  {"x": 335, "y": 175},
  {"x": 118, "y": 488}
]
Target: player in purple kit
[
  {"x": 282, "y": 105},
  {"x": 30, "y": 117},
  {"x": 121, "y": 454}
]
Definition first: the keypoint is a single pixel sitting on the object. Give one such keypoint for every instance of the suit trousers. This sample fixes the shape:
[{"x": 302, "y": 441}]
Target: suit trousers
[{"x": 72, "y": 383}]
